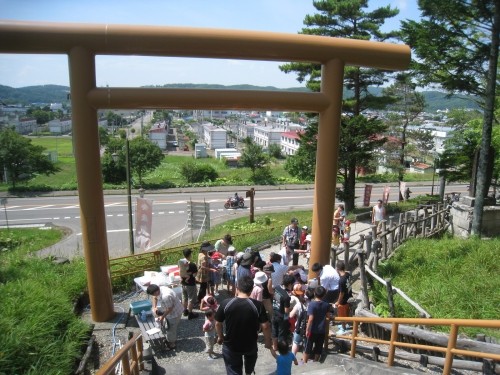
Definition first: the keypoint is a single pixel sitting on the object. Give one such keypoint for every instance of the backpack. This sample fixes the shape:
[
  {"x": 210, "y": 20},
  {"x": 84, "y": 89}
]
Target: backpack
[{"x": 300, "y": 327}]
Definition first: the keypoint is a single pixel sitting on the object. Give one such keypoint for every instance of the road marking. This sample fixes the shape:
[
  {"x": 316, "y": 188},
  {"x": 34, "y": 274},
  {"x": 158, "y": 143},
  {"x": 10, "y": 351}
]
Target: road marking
[
  {"x": 110, "y": 231},
  {"x": 171, "y": 212},
  {"x": 112, "y": 204},
  {"x": 181, "y": 212},
  {"x": 69, "y": 207},
  {"x": 110, "y": 215},
  {"x": 55, "y": 218},
  {"x": 119, "y": 215},
  {"x": 38, "y": 207},
  {"x": 67, "y": 217},
  {"x": 161, "y": 213}
]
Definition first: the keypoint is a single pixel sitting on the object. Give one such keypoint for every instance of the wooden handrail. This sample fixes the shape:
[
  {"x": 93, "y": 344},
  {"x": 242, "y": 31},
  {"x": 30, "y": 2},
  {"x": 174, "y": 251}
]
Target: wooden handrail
[
  {"x": 130, "y": 356},
  {"x": 450, "y": 350}
]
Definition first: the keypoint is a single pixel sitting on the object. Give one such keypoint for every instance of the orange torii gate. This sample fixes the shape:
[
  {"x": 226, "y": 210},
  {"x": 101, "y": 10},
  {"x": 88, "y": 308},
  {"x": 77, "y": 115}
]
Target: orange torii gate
[{"x": 82, "y": 42}]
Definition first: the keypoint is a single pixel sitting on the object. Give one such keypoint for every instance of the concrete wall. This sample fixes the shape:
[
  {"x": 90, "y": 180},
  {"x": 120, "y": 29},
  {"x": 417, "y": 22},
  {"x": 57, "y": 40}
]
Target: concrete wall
[{"x": 462, "y": 212}]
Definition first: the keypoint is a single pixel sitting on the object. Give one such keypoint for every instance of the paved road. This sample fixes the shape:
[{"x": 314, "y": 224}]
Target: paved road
[{"x": 169, "y": 213}]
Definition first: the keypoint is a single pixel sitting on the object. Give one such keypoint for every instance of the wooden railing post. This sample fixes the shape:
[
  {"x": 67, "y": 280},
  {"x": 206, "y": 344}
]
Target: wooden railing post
[
  {"x": 368, "y": 239},
  {"x": 374, "y": 231},
  {"x": 384, "y": 239},
  {"x": 333, "y": 256},
  {"x": 390, "y": 297},
  {"x": 392, "y": 347},
  {"x": 346, "y": 254},
  {"x": 364, "y": 282},
  {"x": 390, "y": 244},
  {"x": 354, "y": 336},
  {"x": 407, "y": 221},
  {"x": 433, "y": 218},
  {"x": 452, "y": 342}
]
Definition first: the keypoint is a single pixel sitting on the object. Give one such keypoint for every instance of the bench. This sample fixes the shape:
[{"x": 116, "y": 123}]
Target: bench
[{"x": 156, "y": 339}]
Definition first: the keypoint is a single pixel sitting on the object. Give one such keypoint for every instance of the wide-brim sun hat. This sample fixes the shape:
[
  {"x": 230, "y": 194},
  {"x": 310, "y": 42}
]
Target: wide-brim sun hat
[
  {"x": 206, "y": 246},
  {"x": 260, "y": 278},
  {"x": 247, "y": 259},
  {"x": 297, "y": 289}
]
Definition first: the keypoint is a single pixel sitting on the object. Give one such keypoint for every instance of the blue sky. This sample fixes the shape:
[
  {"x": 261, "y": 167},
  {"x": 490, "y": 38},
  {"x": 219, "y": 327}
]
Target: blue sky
[{"x": 134, "y": 71}]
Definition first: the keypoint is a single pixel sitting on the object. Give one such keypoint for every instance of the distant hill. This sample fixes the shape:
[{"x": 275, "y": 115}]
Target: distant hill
[
  {"x": 59, "y": 94},
  {"x": 34, "y": 94}
]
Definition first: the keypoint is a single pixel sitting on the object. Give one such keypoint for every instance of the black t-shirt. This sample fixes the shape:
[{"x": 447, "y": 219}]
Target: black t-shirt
[
  {"x": 242, "y": 318},
  {"x": 281, "y": 300},
  {"x": 343, "y": 288},
  {"x": 190, "y": 280},
  {"x": 265, "y": 291}
]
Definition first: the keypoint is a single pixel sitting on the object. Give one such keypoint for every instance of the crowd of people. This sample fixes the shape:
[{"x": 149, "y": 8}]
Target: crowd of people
[{"x": 268, "y": 296}]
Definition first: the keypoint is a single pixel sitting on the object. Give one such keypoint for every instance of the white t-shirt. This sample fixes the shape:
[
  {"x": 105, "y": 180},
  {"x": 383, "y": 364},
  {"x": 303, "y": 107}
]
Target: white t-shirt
[{"x": 378, "y": 213}]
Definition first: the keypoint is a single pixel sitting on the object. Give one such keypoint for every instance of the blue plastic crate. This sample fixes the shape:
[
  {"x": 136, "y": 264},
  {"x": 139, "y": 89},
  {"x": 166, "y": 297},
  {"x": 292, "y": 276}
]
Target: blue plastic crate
[{"x": 138, "y": 306}]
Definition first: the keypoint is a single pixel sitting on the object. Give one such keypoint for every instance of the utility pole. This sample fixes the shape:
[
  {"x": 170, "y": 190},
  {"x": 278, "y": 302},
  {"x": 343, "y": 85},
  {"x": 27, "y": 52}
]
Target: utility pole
[{"x": 129, "y": 198}]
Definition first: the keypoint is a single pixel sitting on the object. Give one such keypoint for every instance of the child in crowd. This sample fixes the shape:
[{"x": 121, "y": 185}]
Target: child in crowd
[
  {"x": 209, "y": 329},
  {"x": 230, "y": 261},
  {"x": 215, "y": 276},
  {"x": 347, "y": 231},
  {"x": 209, "y": 303},
  {"x": 284, "y": 360},
  {"x": 335, "y": 236},
  {"x": 259, "y": 280}
]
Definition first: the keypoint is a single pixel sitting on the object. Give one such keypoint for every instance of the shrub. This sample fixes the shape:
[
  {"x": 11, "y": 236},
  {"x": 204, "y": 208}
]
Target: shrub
[{"x": 195, "y": 172}]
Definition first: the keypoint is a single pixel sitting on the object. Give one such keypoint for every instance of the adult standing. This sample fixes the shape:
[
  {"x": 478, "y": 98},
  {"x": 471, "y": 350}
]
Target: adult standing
[
  {"x": 187, "y": 271},
  {"x": 328, "y": 278},
  {"x": 317, "y": 312},
  {"x": 338, "y": 217},
  {"x": 378, "y": 213},
  {"x": 281, "y": 311},
  {"x": 279, "y": 270},
  {"x": 345, "y": 293},
  {"x": 291, "y": 239},
  {"x": 203, "y": 264},
  {"x": 244, "y": 266},
  {"x": 222, "y": 245},
  {"x": 166, "y": 305},
  {"x": 241, "y": 317}
]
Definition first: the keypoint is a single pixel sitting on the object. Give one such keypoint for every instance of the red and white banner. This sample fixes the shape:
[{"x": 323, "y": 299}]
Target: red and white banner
[
  {"x": 387, "y": 190},
  {"x": 402, "y": 188},
  {"x": 143, "y": 223},
  {"x": 367, "y": 196}
]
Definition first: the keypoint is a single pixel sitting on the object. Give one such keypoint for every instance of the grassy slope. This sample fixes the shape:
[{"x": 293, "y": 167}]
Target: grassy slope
[
  {"x": 450, "y": 278},
  {"x": 37, "y": 299}
]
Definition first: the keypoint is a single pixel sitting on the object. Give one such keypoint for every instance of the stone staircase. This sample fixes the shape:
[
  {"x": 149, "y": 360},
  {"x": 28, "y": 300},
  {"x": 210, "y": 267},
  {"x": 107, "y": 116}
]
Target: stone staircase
[{"x": 333, "y": 364}]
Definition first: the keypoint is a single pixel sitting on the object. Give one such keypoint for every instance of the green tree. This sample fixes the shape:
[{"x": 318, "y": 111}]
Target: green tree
[
  {"x": 20, "y": 158},
  {"x": 144, "y": 157},
  {"x": 457, "y": 160},
  {"x": 103, "y": 136},
  {"x": 457, "y": 44},
  {"x": 274, "y": 151},
  {"x": 407, "y": 105},
  {"x": 303, "y": 164},
  {"x": 253, "y": 156},
  {"x": 349, "y": 19}
]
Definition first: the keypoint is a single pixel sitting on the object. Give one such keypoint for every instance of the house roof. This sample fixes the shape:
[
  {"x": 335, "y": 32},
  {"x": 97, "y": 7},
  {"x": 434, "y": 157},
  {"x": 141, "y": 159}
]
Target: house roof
[
  {"x": 422, "y": 166},
  {"x": 295, "y": 135}
]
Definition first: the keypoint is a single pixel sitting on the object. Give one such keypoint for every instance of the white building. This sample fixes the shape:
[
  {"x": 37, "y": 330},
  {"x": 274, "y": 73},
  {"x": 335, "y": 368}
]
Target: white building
[
  {"x": 214, "y": 137},
  {"x": 158, "y": 134},
  {"x": 290, "y": 142},
  {"x": 246, "y": 131},
  {"x": 58, "y": 126},
  {"x": 267, "y": 135},
  {"x": 26, "y": 126}
]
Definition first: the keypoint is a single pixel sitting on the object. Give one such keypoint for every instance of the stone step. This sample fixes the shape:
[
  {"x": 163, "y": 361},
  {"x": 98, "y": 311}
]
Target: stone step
[{"x": 333, "y": 364}]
